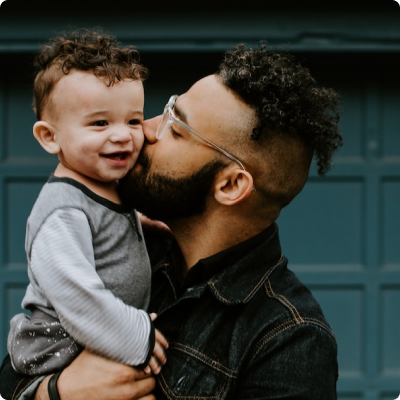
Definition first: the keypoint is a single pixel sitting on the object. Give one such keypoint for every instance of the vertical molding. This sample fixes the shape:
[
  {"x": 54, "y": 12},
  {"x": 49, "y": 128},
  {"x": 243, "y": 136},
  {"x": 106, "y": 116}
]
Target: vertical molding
[
  {"x": 3, "y": 286},
  {"x": 371, "y": 147}
]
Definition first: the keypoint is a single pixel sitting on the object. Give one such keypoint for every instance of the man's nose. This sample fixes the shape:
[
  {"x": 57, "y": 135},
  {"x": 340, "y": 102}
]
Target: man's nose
[{"x": 150, "y": 128}]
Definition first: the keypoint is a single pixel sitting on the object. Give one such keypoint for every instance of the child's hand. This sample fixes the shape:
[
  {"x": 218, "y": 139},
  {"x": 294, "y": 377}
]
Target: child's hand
[{"x": 159, "y": 358}]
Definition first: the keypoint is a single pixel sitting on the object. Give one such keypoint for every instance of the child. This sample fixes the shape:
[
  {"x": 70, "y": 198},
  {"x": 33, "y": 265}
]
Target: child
[{"x": 88, "y": 266}]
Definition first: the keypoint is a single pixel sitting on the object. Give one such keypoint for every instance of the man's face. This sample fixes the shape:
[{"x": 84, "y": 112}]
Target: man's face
[
  {"x": 162, "y": 197},
  {"x": 174, "y": 176}
]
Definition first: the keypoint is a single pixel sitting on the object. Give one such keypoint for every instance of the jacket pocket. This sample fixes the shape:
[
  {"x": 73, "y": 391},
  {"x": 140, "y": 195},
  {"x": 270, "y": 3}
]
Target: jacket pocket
[{"x": 194, "y": 375}]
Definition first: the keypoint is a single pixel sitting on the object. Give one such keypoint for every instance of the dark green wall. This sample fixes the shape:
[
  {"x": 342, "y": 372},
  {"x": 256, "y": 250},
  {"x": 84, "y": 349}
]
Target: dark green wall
[{"x": 341, "y": 234}]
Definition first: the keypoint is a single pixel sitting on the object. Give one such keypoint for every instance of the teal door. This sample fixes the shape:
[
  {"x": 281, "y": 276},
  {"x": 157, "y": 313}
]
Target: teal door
[{"x": 341, "y": 234}]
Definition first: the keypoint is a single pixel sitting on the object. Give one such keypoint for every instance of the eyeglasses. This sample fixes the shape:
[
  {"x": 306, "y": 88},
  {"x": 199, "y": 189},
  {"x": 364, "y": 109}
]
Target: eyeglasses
[{"x": 170, "y": 118}]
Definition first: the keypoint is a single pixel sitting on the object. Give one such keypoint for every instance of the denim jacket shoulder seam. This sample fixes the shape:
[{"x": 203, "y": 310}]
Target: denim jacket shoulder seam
[
  {"x": 283, "y": 300},
  {"x": 287, "y": 325}
]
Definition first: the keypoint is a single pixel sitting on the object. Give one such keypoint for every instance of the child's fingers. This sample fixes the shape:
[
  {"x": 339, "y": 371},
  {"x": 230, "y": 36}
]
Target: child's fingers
[
  {"x": 161, "y": 339},
  {"x": 154, "y": 365},
  {"x": 153, "y": 316}
]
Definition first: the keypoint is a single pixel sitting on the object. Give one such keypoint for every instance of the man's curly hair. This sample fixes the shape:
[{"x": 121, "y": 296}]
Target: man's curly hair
[
  {"x": 286, "y": 98},
  {"x": 90, "y": 50}
]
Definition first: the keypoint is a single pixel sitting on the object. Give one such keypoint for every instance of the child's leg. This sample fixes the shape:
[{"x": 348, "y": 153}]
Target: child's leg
[{"x": 38, "y": 344}]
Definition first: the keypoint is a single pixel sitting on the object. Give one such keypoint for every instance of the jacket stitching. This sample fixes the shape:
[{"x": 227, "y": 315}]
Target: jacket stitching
[
  {"x": 205, "y": 359},
  {"x": 284, "y": 327},
  {"x": 282, "y": 299}
]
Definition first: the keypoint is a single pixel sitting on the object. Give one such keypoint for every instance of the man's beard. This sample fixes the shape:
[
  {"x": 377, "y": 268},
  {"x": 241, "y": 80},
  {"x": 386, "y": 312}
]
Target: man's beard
[{"x": 163, "y": 198}]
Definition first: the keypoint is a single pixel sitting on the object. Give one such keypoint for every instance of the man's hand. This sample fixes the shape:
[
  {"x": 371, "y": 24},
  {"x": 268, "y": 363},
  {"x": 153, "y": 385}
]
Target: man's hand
[
  {"x": 152, "y": 225},
  {"x": 92, "y": 377}
]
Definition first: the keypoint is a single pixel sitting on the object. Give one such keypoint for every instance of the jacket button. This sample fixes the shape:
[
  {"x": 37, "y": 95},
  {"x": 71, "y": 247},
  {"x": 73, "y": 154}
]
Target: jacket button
[{"x": 181, "y": 382}]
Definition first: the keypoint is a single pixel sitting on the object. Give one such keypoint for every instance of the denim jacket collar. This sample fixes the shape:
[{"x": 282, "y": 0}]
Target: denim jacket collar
[{"x": 243, "y": 284}]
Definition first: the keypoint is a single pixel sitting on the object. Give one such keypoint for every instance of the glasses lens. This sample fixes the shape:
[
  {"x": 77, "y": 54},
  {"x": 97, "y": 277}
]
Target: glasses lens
[{"x": 162, "y": 125}]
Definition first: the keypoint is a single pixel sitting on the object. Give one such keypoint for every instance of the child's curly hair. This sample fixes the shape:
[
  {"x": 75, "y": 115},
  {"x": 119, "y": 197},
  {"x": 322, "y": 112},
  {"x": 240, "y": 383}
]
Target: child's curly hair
[
  {"x": 286, "y": 98},
  {"x": 90, "y": 50}
]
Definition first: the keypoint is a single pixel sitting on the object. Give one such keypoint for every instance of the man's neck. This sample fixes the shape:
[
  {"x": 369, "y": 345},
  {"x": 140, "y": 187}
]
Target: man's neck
[{"x": 199, "y": 238}]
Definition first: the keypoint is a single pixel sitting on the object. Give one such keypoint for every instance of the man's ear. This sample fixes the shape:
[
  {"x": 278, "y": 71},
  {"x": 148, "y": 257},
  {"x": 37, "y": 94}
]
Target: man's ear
[
  {"x": 44, "y": 134},
  {"x": 233, "y": 186}
]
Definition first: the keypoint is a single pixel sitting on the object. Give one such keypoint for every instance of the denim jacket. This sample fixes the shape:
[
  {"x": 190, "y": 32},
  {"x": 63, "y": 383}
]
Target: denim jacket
[{"x": 251, "y": 330}]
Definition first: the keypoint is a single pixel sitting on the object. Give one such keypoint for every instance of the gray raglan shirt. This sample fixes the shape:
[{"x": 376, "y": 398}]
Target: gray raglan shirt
[{"x": 88, "y": 266}]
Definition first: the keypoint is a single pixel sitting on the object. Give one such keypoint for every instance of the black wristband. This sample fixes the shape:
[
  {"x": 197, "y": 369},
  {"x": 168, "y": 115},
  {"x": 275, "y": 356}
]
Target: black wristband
[{"x": 52, "y": 387}]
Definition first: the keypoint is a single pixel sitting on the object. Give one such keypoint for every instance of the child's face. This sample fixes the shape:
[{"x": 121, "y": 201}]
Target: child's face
[{"x": 97, "y": 127}]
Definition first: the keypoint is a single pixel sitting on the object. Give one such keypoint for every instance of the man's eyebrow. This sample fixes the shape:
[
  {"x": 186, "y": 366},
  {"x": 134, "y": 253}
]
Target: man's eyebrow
[{"x": 180, "y": 114}]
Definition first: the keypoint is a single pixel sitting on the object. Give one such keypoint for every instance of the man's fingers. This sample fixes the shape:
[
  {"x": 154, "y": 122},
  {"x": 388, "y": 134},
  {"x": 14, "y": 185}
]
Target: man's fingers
[{"x": 142, "y": 388}]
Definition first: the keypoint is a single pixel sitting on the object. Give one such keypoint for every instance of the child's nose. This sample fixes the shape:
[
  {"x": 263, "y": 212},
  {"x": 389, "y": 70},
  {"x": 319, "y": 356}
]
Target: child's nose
[{"x": 122, "y": 134}]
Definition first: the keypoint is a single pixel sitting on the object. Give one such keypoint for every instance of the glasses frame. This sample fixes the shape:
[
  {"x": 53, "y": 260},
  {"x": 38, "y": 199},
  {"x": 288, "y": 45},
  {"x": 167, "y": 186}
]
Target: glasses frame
[{"x": 172, "y": 118}]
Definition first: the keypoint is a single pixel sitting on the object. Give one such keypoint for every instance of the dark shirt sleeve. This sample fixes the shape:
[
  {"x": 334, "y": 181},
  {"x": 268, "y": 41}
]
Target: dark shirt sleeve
[{"x": 12, "y": 384}]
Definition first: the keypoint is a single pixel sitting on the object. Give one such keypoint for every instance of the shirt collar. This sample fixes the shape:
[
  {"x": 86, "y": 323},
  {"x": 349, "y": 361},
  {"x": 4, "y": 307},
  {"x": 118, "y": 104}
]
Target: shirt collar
[{"x": 207, "y": 267}]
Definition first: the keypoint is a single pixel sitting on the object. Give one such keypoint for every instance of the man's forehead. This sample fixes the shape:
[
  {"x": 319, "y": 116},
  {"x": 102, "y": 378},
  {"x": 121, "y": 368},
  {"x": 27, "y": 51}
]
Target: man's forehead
[
  {"x": 206, "y": 87},
  {"x": 207, "y": 95},
  {"x": 212, "y": 109}
]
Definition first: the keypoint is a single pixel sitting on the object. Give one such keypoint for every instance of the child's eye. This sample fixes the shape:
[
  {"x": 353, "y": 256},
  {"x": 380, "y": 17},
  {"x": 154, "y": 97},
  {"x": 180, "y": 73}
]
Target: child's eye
[
  {"x": 100, "y": 123},
  {"x": 135, "y": 122}
]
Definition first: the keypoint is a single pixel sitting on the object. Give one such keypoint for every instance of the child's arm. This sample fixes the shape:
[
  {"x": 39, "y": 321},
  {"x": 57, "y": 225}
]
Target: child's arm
[{"x": 64, "y": 264}]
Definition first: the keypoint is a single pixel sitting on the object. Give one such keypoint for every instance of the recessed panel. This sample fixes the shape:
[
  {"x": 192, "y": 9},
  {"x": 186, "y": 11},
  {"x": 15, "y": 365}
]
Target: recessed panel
[
  {"x": 19, "y": 119},
  {"x": 21, "y": 194},
  {"x": 351, "y": 92},
  {"x": 343, "y": 309},
  {"x": 390, "y": 238},
  {"x": 390, "y": 329},
  {"x": 14, "y": 296},
  {"x": 390, "y": 133},
  {"x": 348, "y": 396},
  {"x": 324, "y": 224}
]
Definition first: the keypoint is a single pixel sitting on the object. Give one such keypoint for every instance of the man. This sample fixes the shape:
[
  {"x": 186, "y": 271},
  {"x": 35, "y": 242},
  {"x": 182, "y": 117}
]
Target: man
[{"x": 232, "y": 152}]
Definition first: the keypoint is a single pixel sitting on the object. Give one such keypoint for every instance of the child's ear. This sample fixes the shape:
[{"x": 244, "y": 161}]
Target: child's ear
[{"x": 45, "y": 135}]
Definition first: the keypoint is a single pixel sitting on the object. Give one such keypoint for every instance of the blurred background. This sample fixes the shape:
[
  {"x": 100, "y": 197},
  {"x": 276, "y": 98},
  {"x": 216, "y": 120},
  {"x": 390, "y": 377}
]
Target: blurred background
[{"x": 341, "y": 234}]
